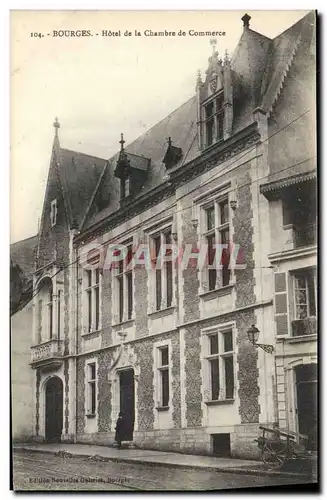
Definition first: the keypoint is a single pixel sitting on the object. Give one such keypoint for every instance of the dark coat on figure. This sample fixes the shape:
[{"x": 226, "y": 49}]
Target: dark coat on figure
[{"x": 121, "y": 429}]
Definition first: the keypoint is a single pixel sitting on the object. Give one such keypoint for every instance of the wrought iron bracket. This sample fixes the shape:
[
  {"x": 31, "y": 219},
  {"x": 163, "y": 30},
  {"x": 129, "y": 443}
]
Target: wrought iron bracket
[{"x": 266, "y": 347}]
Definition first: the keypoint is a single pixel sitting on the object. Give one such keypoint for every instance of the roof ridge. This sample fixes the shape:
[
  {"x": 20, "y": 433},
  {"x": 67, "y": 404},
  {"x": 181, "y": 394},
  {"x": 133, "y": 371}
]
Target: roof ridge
[
  {"x": 139, "y": 156},
  {"x": 25, "y": 239},
  {"x": 260, "y": 34},
  {"x": 293, "y": 25}
]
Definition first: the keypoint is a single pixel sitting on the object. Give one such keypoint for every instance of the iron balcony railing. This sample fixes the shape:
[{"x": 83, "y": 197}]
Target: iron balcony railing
[{"x": 306, "y": 326}]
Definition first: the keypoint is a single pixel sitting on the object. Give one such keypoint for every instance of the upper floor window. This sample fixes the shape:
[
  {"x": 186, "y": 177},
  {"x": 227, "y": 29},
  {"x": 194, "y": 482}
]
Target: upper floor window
[
  {"x": 300, "y": 211},
  {"x": 124, "y": 282},
  {"x": 45, "y": 310},
  {"x": 220, "y": 359},
  {"x": 305, "y": 296},
  {"x": 92, "y": 302},
  {"x": 214, "y": 120},
  {"x": 163, "y": 269},
  {"x": 217, "y": 232},
  {"x": 53, "y": 213},
  {"x": 59, "y": 307}
]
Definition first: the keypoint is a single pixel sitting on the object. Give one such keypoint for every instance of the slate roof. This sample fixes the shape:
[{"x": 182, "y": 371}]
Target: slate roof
[
  {"x": 281, "y": 53},
  {"x": 138, "y": 162},
  {"x": 23, "y": 253},
  {"x": 259, "y": 66},
  {"x": 79, "y": 174},
  {"x": 22, "y": 257},
  {"x": 181, "y": 126}
]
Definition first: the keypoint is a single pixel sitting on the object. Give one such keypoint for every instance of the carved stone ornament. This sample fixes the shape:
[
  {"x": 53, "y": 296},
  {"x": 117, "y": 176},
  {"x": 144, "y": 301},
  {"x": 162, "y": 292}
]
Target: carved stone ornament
[
  {"x": 213, "y": 83},
  {"x": 124, "y": 358}
]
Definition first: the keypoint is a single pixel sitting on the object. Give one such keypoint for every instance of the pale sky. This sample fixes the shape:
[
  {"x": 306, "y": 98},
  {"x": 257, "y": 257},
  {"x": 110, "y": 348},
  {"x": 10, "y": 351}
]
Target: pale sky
[{"x": 102, "y": 86}]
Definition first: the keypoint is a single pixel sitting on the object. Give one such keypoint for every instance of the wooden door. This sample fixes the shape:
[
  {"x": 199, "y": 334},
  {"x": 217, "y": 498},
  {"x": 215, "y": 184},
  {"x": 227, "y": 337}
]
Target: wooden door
[
  {"x": 127, "y": 402},
  {"x": 53, "y": 410}
]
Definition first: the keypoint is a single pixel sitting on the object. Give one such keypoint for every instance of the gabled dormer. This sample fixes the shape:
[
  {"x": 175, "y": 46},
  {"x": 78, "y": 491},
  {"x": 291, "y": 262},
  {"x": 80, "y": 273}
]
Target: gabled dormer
[
  {"x": 215, "y": 101},
  {"x": 172, "y": 156},
  {"x": 132, "y": 170}
]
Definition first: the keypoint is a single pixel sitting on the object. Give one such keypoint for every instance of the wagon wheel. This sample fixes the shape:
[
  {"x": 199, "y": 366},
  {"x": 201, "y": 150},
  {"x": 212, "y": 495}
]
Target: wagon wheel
[{"x": 274, "y": 459}]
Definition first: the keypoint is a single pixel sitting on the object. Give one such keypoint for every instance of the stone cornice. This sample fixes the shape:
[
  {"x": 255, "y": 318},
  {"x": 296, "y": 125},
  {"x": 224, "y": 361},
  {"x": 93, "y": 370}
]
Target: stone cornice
[{"x": 210, "y": 158}]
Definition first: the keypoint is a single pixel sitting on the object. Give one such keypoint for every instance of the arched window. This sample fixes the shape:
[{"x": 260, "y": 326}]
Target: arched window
[{"x": 45, "y": 310}]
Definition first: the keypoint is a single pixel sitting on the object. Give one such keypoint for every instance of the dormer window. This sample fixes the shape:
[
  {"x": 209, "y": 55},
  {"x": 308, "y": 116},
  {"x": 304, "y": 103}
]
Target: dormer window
[
  {"x": 53, "y": 213},
  {"x": 132, "y": 170},
  {"x": 173, "y": 155},
  {"x": 125, "y": 187},
  {"x": 215, "y": 101},
  {"x": 214, "y": 120}
]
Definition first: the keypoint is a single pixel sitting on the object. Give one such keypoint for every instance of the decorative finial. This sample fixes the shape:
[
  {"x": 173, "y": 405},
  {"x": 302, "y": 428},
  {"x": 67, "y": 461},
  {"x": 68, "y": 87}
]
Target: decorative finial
[
  {"x": 198, "y": 79},
  {"x": 56, "y": 125},
  {"x": 169, "y": 141},
  {"x": 226, "y": 58},
  {"x": 246, "y": 21},
  {"x": 122, "y": 142}
]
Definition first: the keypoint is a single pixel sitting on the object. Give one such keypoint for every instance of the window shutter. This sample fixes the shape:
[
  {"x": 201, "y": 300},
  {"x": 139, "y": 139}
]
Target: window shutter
[{"x": 281, "y": 311}]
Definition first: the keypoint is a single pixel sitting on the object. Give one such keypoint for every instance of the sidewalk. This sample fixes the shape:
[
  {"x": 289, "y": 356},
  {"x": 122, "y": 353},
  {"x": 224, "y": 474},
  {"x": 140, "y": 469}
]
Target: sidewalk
[{"x": 162, "y": 458}]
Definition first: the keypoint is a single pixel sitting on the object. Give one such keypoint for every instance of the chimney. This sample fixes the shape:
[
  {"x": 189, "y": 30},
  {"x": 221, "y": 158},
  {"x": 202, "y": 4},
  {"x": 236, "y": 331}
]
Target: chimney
[{"x": 246, "y": 21}]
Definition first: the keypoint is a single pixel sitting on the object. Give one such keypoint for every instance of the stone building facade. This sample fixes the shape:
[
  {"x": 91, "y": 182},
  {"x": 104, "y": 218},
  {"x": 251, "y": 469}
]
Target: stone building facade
[{"x": 169, "y": 347}]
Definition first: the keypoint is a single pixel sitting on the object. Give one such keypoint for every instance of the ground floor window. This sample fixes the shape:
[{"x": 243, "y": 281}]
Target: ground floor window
[
  {"x": 91, "y": 388},
  {"x": 220, "y": 359}
]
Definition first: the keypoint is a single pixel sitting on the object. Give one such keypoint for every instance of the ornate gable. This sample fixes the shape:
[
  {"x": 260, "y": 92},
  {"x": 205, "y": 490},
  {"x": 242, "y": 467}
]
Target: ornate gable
[{"x": 215, "y": 101}]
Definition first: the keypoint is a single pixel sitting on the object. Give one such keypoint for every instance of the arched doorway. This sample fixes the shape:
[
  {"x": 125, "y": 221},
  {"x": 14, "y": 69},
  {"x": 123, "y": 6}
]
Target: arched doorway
[
  {"x": 53, "y": 410},
  {"x": 306, "y": 396}
]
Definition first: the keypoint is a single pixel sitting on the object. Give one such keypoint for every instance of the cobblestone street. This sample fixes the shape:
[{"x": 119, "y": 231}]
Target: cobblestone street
[{"x": 43, "y": 471}]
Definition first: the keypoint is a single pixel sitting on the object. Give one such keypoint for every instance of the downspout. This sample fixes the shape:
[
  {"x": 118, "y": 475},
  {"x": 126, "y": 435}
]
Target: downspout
[{"x": 76, "y": 345}]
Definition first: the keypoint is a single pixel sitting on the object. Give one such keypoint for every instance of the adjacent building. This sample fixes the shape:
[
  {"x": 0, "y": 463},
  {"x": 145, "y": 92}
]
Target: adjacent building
[
  {"x": 22, "y": 257},
  {"x": 168, "y": 344}
]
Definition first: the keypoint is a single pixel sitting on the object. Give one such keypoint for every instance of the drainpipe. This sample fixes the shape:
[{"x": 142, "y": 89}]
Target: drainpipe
[{"x": 76, "y": 344}]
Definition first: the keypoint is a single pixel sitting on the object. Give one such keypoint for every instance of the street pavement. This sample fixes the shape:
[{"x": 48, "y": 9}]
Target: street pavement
[{"x": 35, "y": 471}]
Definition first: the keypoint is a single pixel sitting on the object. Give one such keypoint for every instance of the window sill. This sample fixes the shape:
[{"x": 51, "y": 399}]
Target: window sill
[
  {"x": 162, "y": 408},
  {"x": 211, "y": 146},
  {"x": 89, "y": 334},
  {"x": 90, "y": 415},
  {"x": 162, "y": 312},
  {"x": 218, "y": 292},
  {"x": 126, "y": 323},
  {"x": 301, "y": 338},
  {"x": 217, "y": 402}
]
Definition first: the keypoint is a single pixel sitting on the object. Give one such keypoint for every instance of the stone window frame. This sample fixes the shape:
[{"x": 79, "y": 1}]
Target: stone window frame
[
  {"x": 88, "y": 382},
  {"x": 216, "y": 116},
  {"x": 200, "y": 204},
  {"x": 157, "y": 348},
  {"x": 206, "y": 333},
  {"x": 160, "y": 229},
  {"x": 91, "y": 318},
  {"x": 116, "y": 273},
  {"x": 125, "y": 187},
  {"x": 45, "y": 310},
  {"x": 53, "y": 212},
  {"x": 303, "y": 271}
]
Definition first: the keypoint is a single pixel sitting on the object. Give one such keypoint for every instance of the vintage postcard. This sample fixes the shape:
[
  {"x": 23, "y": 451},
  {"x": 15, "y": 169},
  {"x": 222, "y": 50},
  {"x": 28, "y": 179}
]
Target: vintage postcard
[{"x": 163, "y": 250}]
